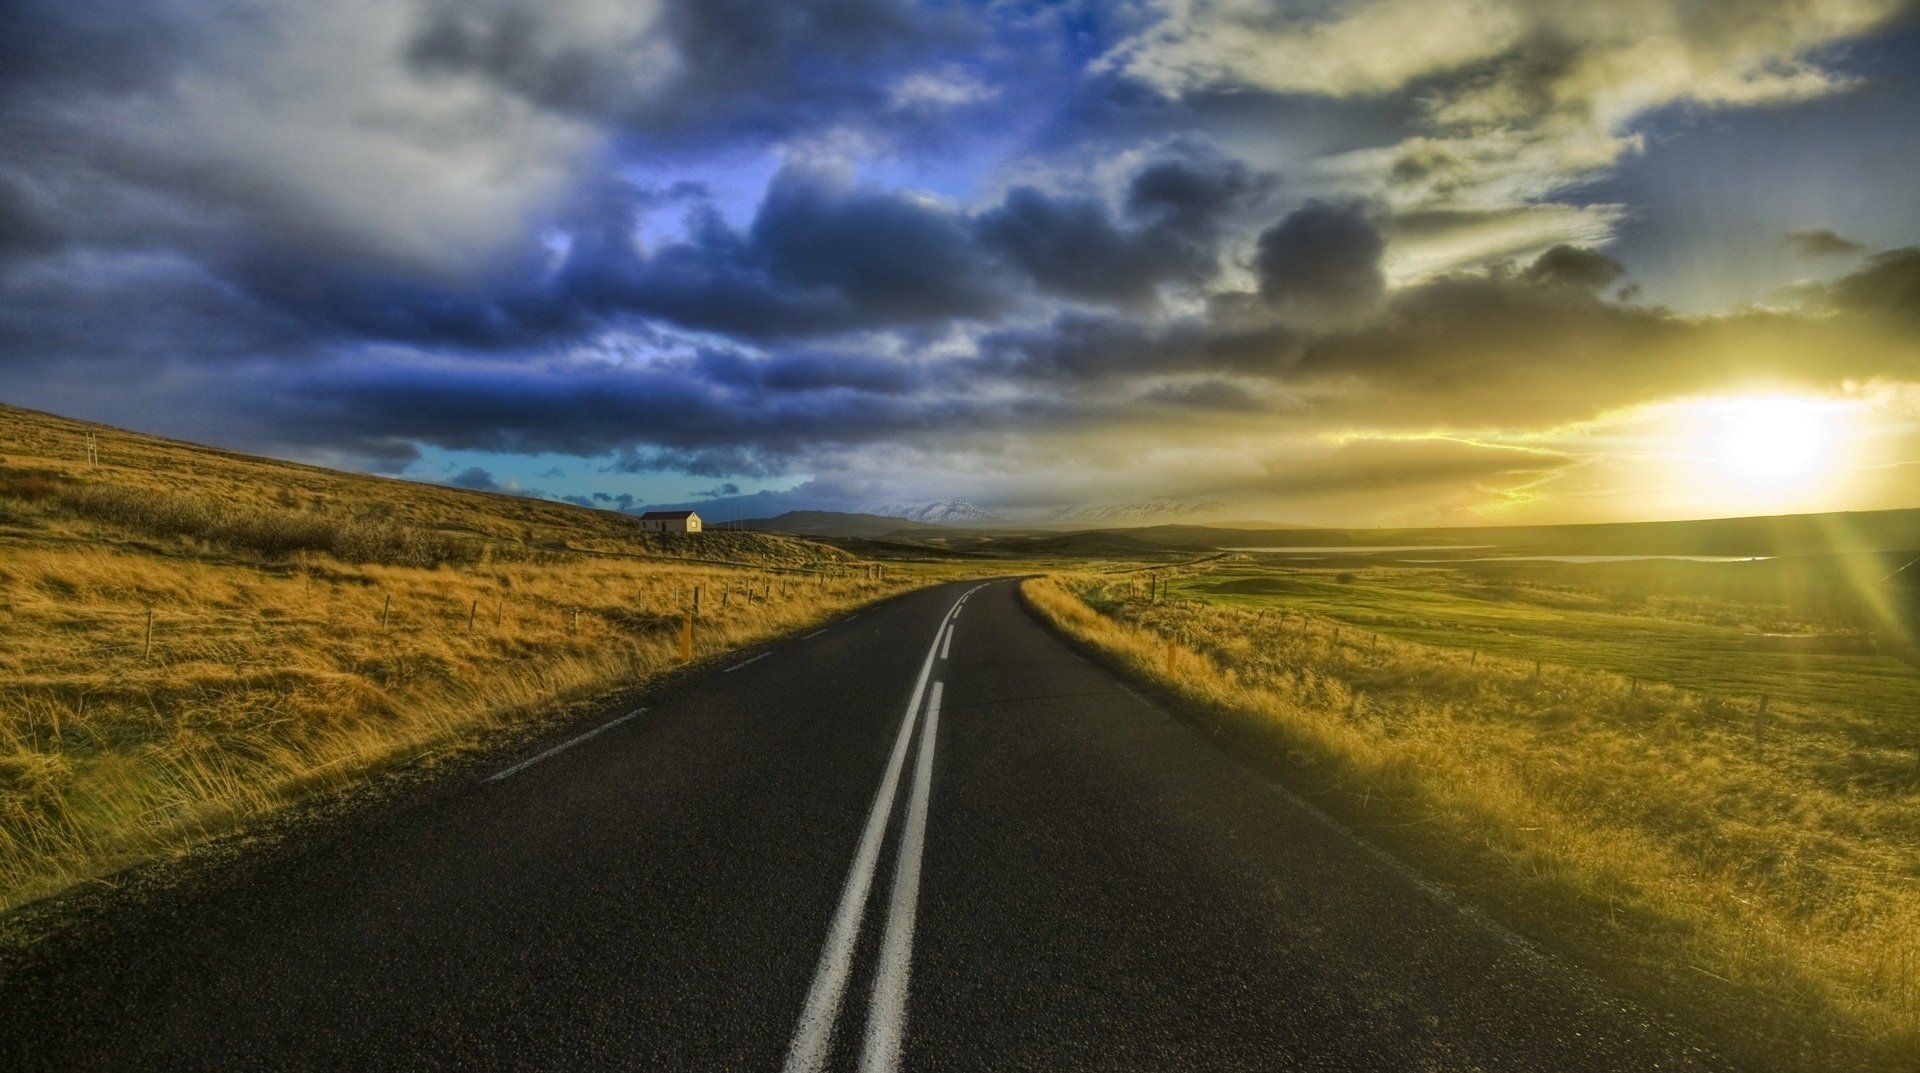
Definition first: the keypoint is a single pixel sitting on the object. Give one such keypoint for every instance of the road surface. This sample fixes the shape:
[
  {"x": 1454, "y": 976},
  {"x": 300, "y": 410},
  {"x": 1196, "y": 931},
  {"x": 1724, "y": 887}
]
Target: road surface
[{"x": 928, "y": 837}]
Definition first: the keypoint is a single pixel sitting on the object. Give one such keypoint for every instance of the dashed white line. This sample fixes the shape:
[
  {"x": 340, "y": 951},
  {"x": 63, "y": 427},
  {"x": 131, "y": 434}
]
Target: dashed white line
[
  {"x": 946, "y": 646},
  {"x": 744, "y": 662},
  {"x": 563, "y": 746},
  {"x": 887, "y": 1016},
  {"x": 815, "y": 633}
]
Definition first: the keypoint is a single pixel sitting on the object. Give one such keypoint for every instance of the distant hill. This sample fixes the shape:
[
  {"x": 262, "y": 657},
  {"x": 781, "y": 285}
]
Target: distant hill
[
  {"x": 838, "y": 524},
  {"x": 167, "y": 491}
]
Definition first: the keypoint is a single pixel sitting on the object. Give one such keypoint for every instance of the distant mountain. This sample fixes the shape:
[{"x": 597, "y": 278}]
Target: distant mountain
[
  {"x": 833, "y": 523},
  {"x": 959, "y": 512},
  {"x": 1141, "y": 510},
  {"x": 944, "y": 512}
]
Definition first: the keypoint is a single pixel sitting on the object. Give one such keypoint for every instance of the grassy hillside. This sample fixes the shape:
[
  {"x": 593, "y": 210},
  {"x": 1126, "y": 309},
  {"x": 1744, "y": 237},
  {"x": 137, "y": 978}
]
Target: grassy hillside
[
  {"x": 1613, "y": 798},
  {"x": 189, "y": 637}
]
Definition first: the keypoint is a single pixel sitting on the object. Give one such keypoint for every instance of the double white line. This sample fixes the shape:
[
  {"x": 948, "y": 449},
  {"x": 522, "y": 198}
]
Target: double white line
[{"x": 887, "y": 1011}]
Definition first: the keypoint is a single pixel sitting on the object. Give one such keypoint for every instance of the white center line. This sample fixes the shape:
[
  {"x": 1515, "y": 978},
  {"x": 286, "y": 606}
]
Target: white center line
[
  {"x": 946, "y": 646},
  {"x": 568, "y": 744},
  {"x": 744, "y": 662},
  {"x": 815, "y": 633},
  {"x": 813, "y": 1036},
  {"x": 887, "y": 1016}
]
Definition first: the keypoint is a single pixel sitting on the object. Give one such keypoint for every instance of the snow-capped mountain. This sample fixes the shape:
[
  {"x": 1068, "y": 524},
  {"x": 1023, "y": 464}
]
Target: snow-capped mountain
[
  {"x": 945, "y": 512},
  {"x": 959, "y": 512}
]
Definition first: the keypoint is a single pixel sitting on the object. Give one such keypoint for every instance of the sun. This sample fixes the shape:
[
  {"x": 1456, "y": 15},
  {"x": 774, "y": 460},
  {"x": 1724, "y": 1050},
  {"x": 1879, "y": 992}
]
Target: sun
[
  {"x": 1777, "y": 451},
  {"x": 1771, "y": 441}
]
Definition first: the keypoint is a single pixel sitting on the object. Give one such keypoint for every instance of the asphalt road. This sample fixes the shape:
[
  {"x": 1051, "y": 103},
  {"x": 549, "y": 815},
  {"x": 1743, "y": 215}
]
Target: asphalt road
[{"x": 880, "y": 846}]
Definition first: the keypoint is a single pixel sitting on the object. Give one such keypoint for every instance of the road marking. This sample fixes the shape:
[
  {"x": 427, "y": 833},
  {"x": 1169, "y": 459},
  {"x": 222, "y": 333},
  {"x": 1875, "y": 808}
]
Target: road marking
[
  {"x": 744, "y": 662},
  {"x": 563, "y": 746},
  {"x": 815, "y": 633},
  {"x": 813, "y": 1036},
  {"x": 887, "y": 1015},
  {"x": 946, "y": 646}
]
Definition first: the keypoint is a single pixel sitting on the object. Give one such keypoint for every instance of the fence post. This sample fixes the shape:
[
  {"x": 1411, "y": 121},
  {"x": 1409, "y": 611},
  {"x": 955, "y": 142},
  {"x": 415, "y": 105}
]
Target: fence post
[
  {"x": 725, "y": 593},
  {"x": 686, "y": 640},
  {"x": 696, "y": 600},
  {"x": 499, "y": 612},
  {"x": 386, "y": 609},
  {"x": 1536, "y": 668},
  {"x": 1473, "y": 658},
  {"x": 471, "y": 612},
  {"x": 146, "y": 647}
]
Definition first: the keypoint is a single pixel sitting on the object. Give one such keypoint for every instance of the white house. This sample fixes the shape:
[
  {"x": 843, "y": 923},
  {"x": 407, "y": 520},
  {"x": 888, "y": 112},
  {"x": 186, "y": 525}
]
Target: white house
[{"x": 670, "y": 521}]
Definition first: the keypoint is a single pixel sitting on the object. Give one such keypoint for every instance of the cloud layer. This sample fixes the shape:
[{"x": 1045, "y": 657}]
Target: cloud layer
[{"x": 1291, "y": 258}]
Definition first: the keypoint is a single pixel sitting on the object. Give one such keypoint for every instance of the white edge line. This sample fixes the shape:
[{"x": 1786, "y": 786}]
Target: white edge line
[
  {"x": 815, "y": 633},
  {"x": 813, "y": 1035},
  {"x": 563, "y": 746},
  {"x": 744, "y": 662},
  {"x": 887, "y": 1015}
]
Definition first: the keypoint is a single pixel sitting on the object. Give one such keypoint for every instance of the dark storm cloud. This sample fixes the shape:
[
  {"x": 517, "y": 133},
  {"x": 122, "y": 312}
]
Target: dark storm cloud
[
  {"x": 1092, "y": 349},
  {"x": 1076, "y": 248},
  {"x": 699, "y": 69},
  {"x": 1822, "y": 242},
  {"x": 1574, "y": 266},
  {"x": 1073, "y": 247},
  {"x": 821, "y": 256},
  {"x": 1320, "y": 266},
  {"x": 1888, "y": 287},
  {"x": 474, "y": 479}
]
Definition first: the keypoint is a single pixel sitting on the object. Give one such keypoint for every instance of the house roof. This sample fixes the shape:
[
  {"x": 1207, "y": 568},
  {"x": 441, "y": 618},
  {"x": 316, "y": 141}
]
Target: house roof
[{"x": 664, "y": 515}]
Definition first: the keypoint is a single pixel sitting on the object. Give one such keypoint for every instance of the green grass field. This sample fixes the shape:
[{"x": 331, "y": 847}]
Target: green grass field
[
  {"x": 1567, "y": 615},
  {"x": 1767, "y": 885}
]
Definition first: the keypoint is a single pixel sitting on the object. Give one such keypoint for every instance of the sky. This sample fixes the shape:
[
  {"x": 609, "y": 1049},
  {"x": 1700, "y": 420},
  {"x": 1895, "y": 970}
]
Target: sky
[{"x": 1335, "y": 262}]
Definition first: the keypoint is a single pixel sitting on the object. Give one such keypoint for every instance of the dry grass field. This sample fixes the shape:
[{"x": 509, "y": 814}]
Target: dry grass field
[
  {"x": 1773, "y": 884},
  {"x": 308, "y": 625}
]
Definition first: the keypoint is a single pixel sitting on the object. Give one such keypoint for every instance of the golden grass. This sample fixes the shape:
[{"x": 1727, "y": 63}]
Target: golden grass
[
  {"x": 307, "y": 626},
  {"x": 1775, "y": 887}
]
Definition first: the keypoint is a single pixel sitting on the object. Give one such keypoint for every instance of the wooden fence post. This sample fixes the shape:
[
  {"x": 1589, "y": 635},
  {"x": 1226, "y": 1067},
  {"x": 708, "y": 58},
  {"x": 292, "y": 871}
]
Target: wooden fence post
[
  {"x": 499, "y": 612},
  {"x": 686, "y": 640},
  {"x": 146, "y": 647},
  {"x": 386, "y": 609},
  {"x": 696, "y": 600},
  {"x": 471, "y": 612}
]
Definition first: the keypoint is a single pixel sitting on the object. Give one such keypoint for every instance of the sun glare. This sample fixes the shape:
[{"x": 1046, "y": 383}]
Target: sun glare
[{"x": 1775, "y": 450}]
